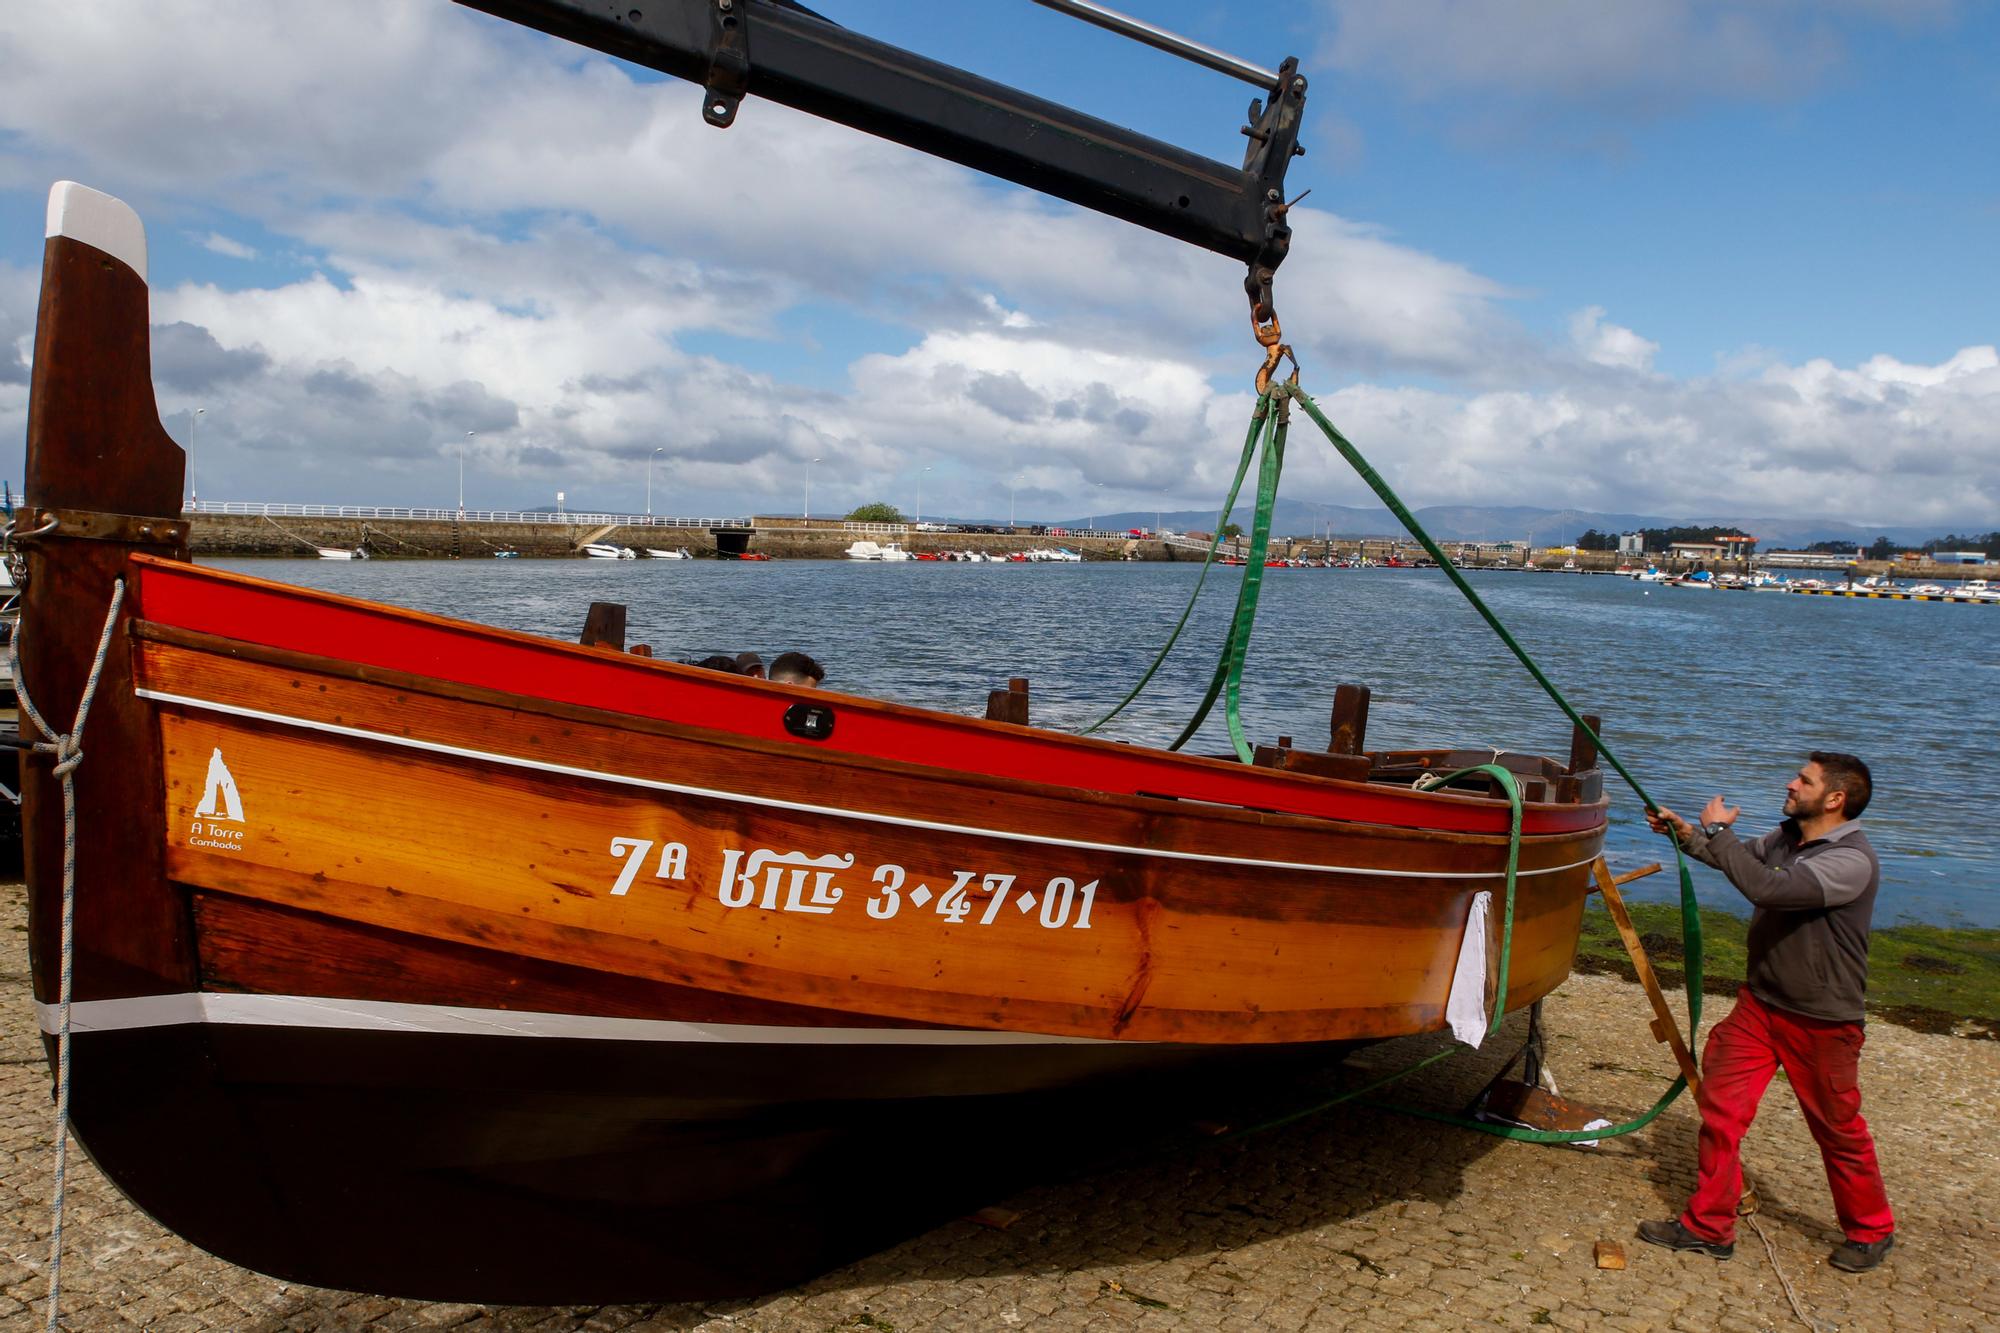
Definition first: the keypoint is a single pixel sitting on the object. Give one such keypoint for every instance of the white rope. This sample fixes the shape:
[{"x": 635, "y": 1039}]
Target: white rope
[
  {"x": 1798, "y": 1307},
  {"x": 68, "y": 751}
]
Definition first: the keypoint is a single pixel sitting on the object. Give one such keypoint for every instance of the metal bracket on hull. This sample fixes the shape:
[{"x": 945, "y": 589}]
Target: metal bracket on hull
[{"x": 94, "y": 525}]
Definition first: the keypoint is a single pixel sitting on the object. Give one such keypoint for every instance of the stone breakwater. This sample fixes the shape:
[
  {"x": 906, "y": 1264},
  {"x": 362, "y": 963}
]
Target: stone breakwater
[
  {"x": 239, "y": 534},
  {"x": 1358, "y": 1219}
]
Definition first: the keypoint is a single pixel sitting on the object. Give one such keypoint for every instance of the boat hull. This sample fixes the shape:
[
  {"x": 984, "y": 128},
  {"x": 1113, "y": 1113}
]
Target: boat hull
[
  {"x": 553, "y": 1170},
  {"x": 424, "y": 958}
]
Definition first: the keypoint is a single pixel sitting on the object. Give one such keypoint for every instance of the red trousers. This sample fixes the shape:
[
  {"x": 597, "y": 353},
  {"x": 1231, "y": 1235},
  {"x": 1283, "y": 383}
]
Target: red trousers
[{"x": 1819, "y": 1057}]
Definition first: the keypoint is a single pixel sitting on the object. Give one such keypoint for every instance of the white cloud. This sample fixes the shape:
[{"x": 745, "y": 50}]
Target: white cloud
[
  {"x": 1609, "y": 344},
  {"x": 506, "y": 236},
  {"x": 222, "y": 245}
]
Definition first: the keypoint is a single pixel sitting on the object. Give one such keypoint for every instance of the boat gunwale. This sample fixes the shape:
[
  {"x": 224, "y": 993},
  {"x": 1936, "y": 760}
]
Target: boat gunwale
[
  {"x": 1276, "y": 781},
  {"x": 1144, "y": 806}
]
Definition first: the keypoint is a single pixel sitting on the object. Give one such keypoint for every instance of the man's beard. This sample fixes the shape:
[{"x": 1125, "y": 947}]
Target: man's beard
[{"x": 1798, "y": 808}]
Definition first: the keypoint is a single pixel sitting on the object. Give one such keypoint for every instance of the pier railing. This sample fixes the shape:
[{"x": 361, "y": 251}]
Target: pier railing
[{"x": 253, "y": 509}]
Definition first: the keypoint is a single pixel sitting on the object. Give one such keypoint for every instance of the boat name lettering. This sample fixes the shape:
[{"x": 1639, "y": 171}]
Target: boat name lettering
[
  {"x": 786, "y": 871},
  {"x": 673, "y": 861},
  {"x": 216, "y": 837},
  {"x": 797, "y": 882}
]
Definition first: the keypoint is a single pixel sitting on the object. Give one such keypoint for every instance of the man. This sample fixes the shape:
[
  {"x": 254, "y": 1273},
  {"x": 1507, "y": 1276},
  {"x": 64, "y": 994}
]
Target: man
[
  {"x": 1812, "y": 881},
  {"x": 797, "y": 669}
]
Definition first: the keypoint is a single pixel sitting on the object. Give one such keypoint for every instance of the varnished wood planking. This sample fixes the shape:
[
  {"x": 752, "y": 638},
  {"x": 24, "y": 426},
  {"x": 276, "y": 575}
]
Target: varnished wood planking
[
  {"x": 384, "y": 820},
  {"x": 250, "y": 946},
  {"x": 517, "y": 862},
  {"x": 318, "y": 690}
]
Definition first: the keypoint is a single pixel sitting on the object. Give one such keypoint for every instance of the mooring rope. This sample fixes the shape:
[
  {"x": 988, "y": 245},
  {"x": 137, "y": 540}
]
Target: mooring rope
[{"x": 67, "y": 748}]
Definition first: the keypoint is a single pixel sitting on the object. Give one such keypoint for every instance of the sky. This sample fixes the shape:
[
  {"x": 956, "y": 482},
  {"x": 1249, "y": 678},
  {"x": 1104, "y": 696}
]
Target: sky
[{"x": 1670, "y": 257}]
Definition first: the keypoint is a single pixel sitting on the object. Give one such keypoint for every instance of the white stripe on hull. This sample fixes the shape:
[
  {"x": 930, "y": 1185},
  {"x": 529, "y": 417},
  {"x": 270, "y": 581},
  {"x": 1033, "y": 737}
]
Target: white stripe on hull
[
  {"x": 308, "y": 1011},
  {"x": 836, "y": 812}
]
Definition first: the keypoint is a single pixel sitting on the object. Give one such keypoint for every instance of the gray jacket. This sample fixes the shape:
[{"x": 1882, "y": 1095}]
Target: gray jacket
[{"x": 1814, "y": 904}]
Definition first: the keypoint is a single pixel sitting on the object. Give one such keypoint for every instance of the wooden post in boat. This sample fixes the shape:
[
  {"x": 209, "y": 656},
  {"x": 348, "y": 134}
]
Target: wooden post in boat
[
  {"x": 1010, "y": 704},
  {"x": 1583, "y": 750},
  {"x": 1350, "y": 719},
  {"x": 104, "y": 480},
  {"x": 604, "y": 627},
  {"x": 1664, "y": 1028},
  {"x": 1582, "y": 760}
]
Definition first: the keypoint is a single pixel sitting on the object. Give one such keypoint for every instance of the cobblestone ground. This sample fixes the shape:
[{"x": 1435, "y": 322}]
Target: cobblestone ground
[{"x": 1355, "y": 1219}]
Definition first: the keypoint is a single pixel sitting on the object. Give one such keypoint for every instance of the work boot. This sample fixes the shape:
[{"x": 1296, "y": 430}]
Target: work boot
[
  {"x": 1855, "y": 1256},
  {"x": 1677, "y": 1237}
]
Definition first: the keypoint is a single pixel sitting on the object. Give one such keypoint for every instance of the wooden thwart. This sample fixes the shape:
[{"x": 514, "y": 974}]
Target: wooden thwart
[{"x": 1664, "y": 1028}]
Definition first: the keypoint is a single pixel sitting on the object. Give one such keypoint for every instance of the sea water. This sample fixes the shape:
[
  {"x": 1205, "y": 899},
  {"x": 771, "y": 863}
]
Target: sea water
[{"x": 1702, "y": 693}]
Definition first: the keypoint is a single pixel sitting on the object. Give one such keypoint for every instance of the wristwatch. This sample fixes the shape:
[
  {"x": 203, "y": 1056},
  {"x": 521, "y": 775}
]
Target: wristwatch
[{"x": 1714, "y": 828}]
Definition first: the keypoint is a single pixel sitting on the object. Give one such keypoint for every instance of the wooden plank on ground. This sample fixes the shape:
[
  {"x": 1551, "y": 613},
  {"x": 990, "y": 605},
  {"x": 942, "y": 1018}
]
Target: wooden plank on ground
[{"x": 1664, "y": 1028}]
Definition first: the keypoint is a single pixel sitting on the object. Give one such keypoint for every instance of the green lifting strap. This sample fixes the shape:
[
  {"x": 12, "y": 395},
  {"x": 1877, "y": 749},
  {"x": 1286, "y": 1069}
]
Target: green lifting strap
[
  {"x": 1228, "y": 679},
  {"x": 1690, "y": 910},
  {"x": 1268, "y": 425},
  {"x": 1257, "y": 422}
]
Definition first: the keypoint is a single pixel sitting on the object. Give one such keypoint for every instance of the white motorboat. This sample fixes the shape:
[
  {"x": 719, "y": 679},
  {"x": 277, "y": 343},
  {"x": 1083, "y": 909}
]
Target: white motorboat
[
  {"x": 341, "y": 553},
  {"x": 1653, "y": 574},
  {"x": 1929, "y": 590},
  {"x": 605, "y": 551},
  {"x": 865, "y": 550},
  {"x": 893, "y": 552},
  {"x": 669, "y": 553}
]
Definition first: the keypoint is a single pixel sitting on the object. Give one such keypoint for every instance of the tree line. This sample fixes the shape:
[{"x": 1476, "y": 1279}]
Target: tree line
[
  {"x": 1656, "y": 539},
  {"x": 1884, "y": 549}
]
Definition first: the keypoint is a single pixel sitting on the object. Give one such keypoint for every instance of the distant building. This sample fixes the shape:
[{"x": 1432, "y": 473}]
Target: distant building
[
  {"x": 1632, "y": 543},
  {"x": 1696, "y": 551},
  {"x": 1959, "y": 557},
  {"x": 1811, "y": 559}
]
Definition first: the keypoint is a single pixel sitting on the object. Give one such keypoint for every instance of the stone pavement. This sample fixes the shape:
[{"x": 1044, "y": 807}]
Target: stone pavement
[{"x": 1356, "y": 1219}]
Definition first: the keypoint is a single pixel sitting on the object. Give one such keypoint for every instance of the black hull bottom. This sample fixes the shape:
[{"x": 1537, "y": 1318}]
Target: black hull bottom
[{"x": 557, "y": 1171}]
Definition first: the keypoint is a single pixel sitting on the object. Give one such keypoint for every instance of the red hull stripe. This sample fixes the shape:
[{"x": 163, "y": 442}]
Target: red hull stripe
[{"x": 346, "y": 629}]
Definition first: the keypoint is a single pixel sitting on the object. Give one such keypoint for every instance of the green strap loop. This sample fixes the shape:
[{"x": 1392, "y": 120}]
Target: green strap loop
[
  {"x": 1227, "y": 682},
  {"x": 1512, "y": 787},
  {"x": 1690, "y": 910}
]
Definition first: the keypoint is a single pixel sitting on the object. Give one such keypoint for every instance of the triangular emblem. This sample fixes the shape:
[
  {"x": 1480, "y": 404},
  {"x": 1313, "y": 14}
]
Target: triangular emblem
[{"x": 219, "y": 799}]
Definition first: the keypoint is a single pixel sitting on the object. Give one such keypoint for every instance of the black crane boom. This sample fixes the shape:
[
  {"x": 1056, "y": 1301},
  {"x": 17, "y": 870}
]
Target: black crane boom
[{"x": 782, "y": 51}]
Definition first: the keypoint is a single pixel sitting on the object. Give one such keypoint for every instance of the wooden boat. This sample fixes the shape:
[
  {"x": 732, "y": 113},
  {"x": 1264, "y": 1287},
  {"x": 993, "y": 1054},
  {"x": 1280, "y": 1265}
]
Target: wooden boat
[{"x": 433, "y": 959}]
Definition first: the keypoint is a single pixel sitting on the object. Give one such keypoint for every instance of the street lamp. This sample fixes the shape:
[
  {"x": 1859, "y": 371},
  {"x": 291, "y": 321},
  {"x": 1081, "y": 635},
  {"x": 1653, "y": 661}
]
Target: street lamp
[
  {"x": 194, "y": 501},
  {"x": 809, "y": 486},
  {"x": 1012, "y": 486},
  {"x": 461, "y": 475},
  {"x": 1100, "y": 505},
  {"x": 649, "y": 480},
  {"x": 920, "y": 497}
]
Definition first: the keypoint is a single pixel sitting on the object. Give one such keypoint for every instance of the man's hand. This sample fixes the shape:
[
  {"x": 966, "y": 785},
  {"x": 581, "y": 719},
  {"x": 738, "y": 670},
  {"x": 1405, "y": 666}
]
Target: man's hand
[
  {"x": 1716, "y": 812},
  {"x": 1664, "y": 820}
]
